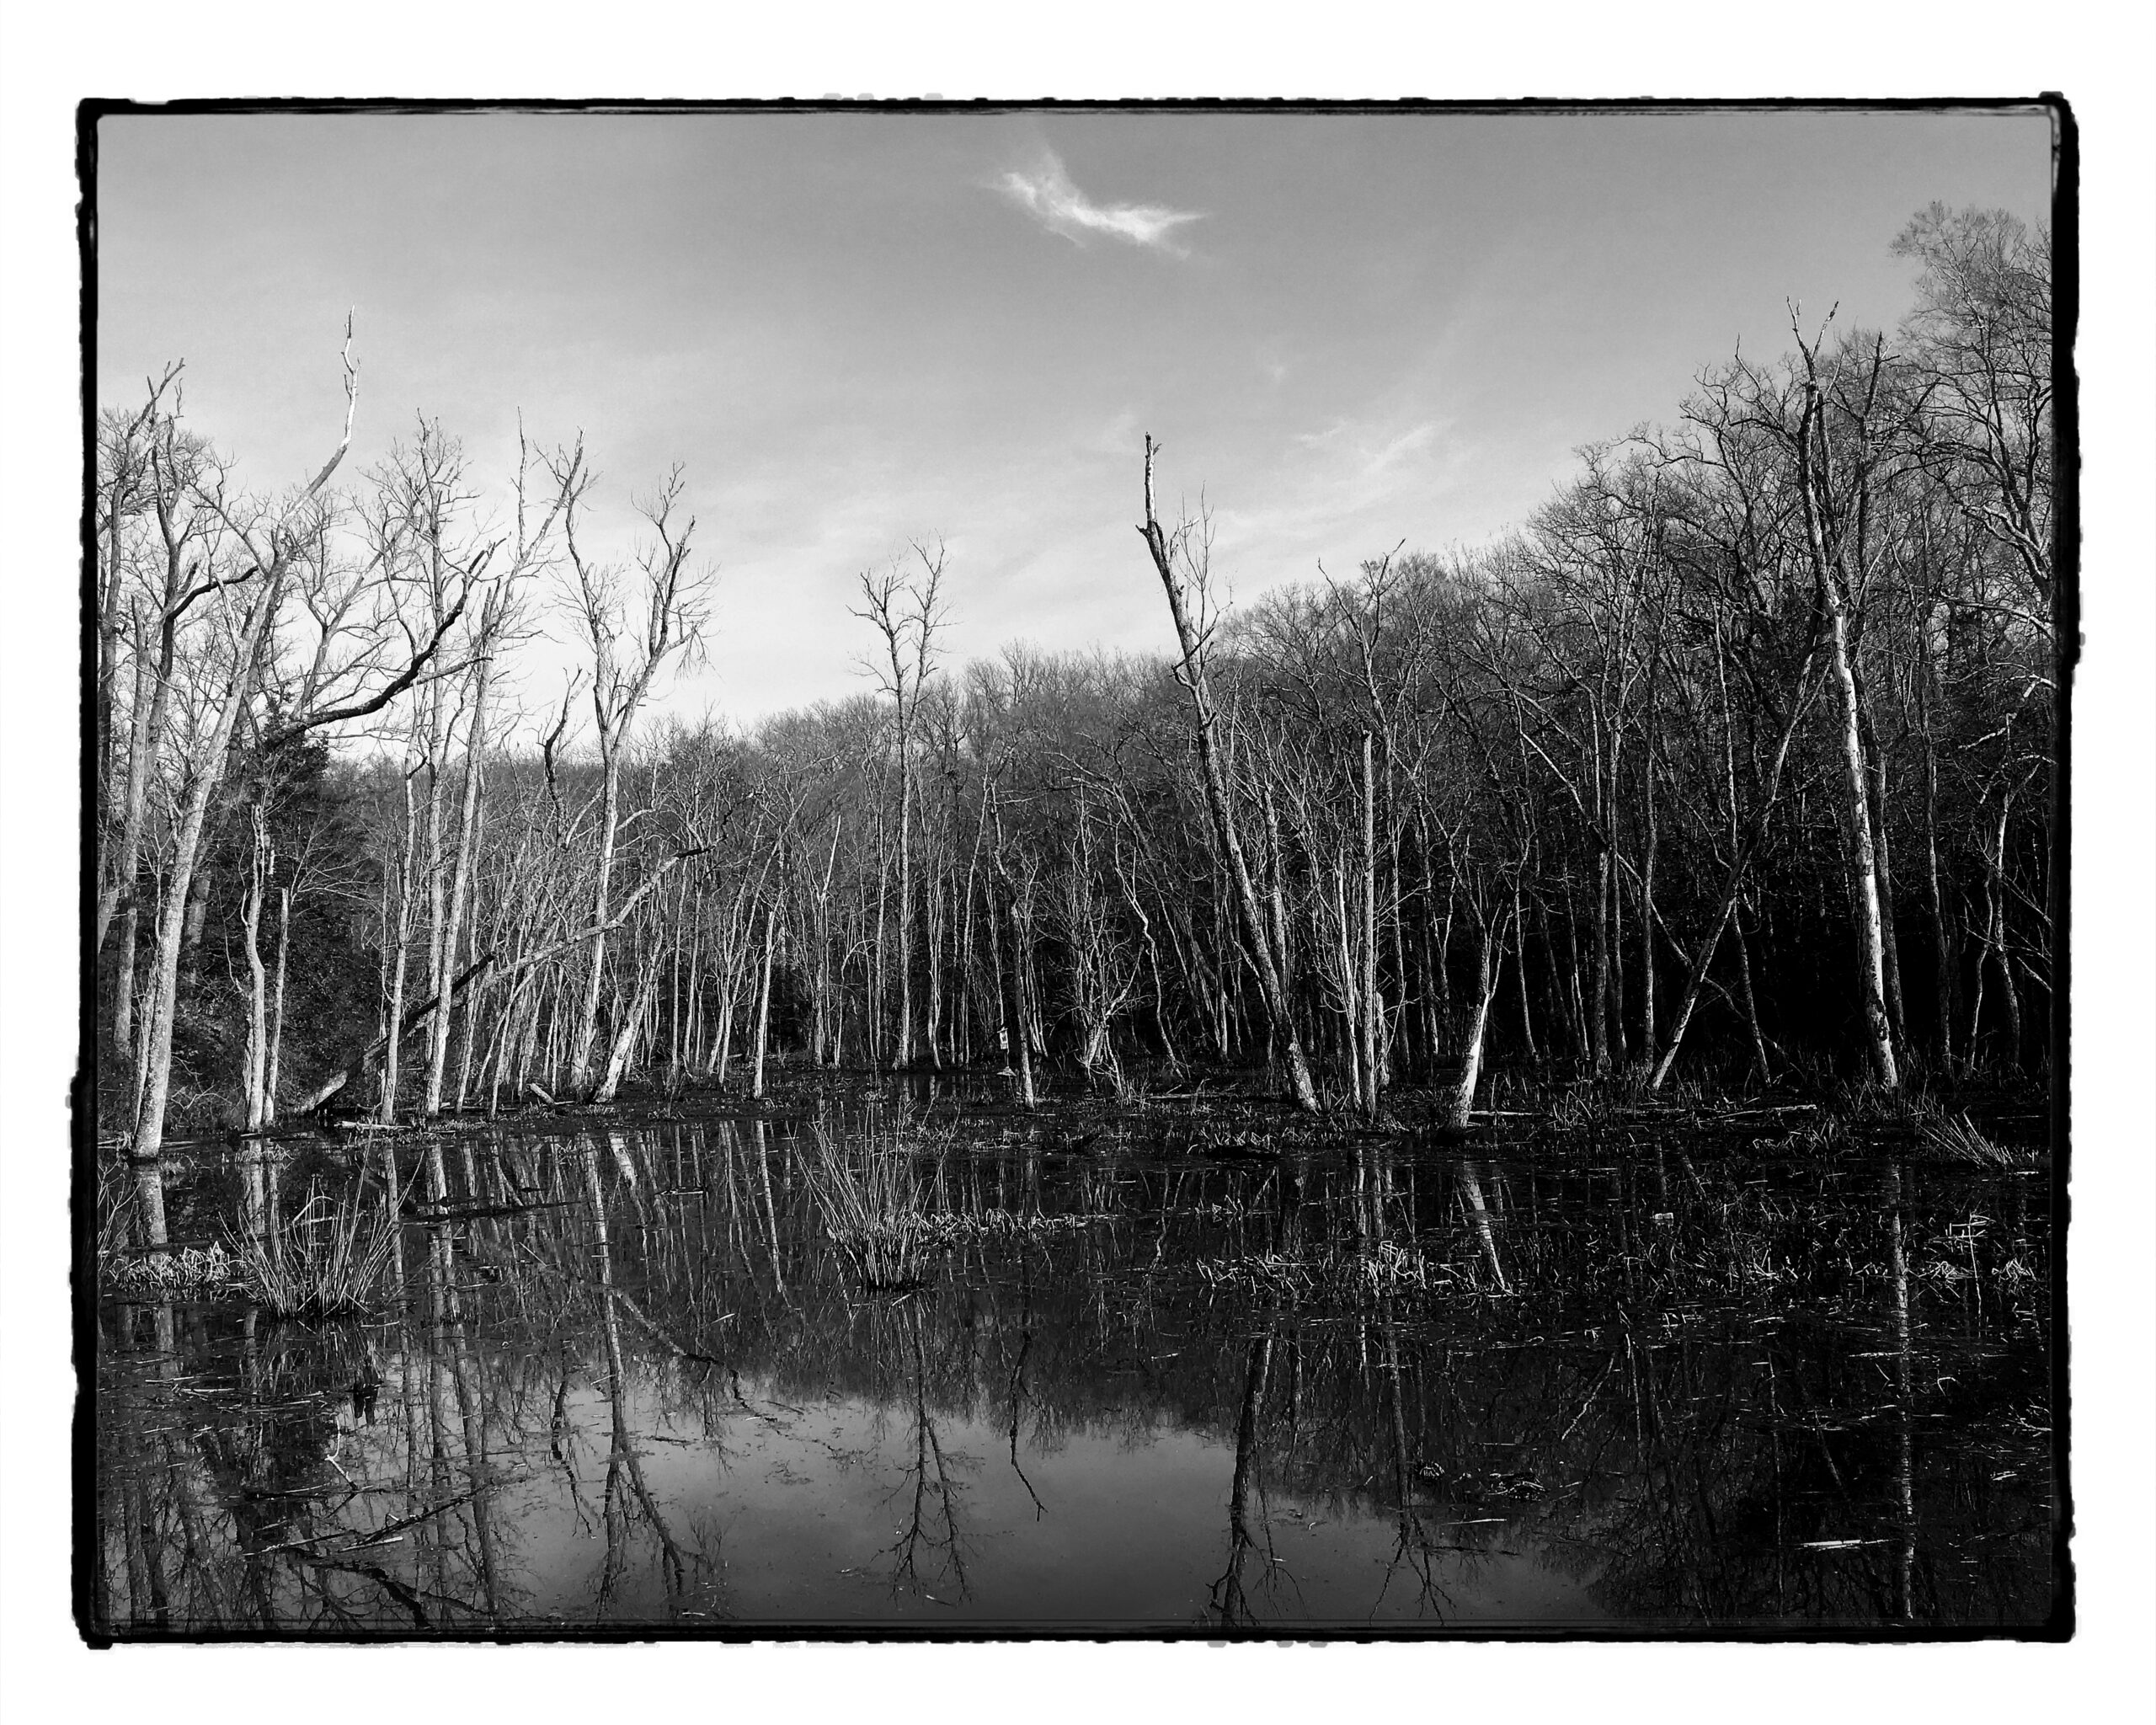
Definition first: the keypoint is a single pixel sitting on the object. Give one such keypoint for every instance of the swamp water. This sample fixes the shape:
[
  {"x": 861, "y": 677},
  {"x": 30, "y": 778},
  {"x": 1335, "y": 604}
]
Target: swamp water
[{"x": 626, "y": 1379}]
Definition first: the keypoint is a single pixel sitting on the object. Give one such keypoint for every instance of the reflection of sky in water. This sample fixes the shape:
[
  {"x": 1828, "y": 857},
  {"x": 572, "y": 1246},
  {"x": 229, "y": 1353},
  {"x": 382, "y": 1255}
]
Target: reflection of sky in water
[
  {"x": 1135, "y": 1531},
  {"x": 1698, "y": 1449}
]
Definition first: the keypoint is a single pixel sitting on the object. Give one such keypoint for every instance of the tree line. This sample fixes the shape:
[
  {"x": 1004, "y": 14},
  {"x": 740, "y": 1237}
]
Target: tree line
[{"x": 1740, "y": 752}]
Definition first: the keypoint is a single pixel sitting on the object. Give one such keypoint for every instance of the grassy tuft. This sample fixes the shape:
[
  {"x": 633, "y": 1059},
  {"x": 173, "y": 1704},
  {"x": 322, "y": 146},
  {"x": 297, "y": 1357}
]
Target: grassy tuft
[
  {"x": 1954, "y": 1138},
  {"x": 946, "y": 1228},
  {"x": 872, "y": 1207},
  {"x": 323, "y": 1263},
  {"x": 1391, "y": 1269},
  {"x": 1867, "y": 1103},
  {"x": 1828, "y": 1134},
  {"x": 199, "y": 1270},
  {"x": 1576, "y": 1109}
]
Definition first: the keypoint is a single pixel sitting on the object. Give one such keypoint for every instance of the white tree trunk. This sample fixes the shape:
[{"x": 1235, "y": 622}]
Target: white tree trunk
[
  {"x": 461, "y": 886},
  {"x": 1470, "y": 1071},
  {"x": 764, "y": 999}
]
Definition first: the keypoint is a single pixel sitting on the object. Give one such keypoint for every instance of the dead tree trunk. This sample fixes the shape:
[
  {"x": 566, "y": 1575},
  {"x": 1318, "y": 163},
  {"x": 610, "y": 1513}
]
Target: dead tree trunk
[
  {"x": 1373, "y": 1008},
  {"x": 1187, "y": 600},
  {"x": 393, "y": 1020},
  {"x": 277, "y": 1005},
  {"x": 764, "y": 998},
  {"x": 1830, "y": 584},
  {"x": 1470, "y": 1070},
  {"x": 625, "y": 1034},
  {"x": 460, "y": 889},
  {"x": 671, "y": 621}
]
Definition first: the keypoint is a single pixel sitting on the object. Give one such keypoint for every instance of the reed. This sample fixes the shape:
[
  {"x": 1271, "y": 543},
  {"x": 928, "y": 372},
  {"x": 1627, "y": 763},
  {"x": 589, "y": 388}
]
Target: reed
[
  {"x": 871, "y": 1204},
  {"x": 326, "y": 1262},
  {"x": 1955, "y": 1138}
]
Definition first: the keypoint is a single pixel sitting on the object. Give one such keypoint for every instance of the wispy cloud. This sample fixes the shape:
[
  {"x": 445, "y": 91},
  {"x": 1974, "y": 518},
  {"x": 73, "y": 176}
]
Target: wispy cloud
[
  {"x": 1411, "y": 441},
  {"x": 1366, "y": 452},
  {"x": 1048, "y": 194},
  {"x": 1346, "y": 490}
]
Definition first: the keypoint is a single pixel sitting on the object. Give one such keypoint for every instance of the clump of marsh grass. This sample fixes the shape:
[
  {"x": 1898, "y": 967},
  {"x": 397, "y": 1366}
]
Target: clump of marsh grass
[
  {"x": 943, "y": 1228},
  {"x": 1828, "y": 1135},
  {"x": 1575, "y": 1111},
  {"x": 1620, "y": 1095},
  {"x": 1955, "y": 1138},
  {"x": 1868, "y": 1103},
  {"x": 871, "y": 1204},
  {"x": 1389, "y": 1269},
  {"x": 325, "y": 1261},
  {"x": 198, "y": 1270},
  {"x": 1392, "y": 1269}
]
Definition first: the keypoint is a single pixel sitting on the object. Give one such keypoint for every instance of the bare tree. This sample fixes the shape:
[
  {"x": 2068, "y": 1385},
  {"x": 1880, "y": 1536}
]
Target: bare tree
[
  {"x": 627, "y": 651},
  {"x": 1832, "y": 487},
  {"x": 1183, "y": 560},
  {"x": 908, "y": 612},
  {"x": 245, "y": 590},
  {"x": 499, "y": 615}
]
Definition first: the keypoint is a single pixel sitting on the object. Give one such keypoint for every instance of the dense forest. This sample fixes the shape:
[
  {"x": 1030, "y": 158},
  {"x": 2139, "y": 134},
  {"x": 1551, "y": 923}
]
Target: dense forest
[{"x": 1737, "y": 761}]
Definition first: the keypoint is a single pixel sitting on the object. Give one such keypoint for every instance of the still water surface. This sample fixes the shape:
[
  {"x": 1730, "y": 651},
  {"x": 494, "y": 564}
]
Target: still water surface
[{"x": 631, "y": 1382}]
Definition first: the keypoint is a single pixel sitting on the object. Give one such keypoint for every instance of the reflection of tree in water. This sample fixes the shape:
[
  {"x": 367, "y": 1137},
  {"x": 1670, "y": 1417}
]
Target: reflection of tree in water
[
  {"x": 929, "y": 1551},
  {"x": 246, "y": 1462},
  {"x": 1018, "y": 1400},
  {"x": 625, "y": 1477},
  {"x": 1227, "y": 1594},
  {"x": 1718, "y": 1382},
  {"x": 1415, "y": 1548}
]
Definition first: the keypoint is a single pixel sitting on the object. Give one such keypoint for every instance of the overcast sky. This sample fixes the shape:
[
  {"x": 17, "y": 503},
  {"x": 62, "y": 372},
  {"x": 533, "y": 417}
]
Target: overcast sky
[{"x": 854, "y": 329}]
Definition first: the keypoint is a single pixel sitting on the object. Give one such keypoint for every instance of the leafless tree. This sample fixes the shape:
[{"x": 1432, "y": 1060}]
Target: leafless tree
[{"x": 1183, "y": 561}]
